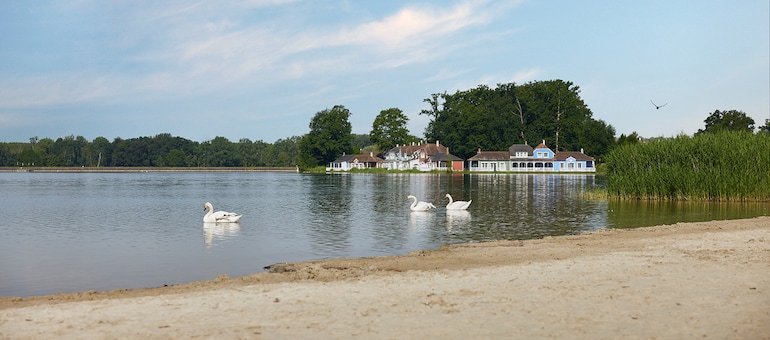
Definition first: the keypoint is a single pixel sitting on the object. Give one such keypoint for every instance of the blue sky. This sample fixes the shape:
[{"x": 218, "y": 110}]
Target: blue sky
[{"x": 260, "y": 69}]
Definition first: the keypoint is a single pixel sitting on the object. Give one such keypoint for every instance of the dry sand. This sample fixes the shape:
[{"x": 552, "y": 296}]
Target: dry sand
[{"x": 684, "y": 281}]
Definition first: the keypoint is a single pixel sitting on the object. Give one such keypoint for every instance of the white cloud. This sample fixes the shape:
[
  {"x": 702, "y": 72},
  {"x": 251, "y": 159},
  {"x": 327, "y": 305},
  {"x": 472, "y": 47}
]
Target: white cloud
[
  {"x": 413, "y": 25},
  {"x": 526, "y": 76},
  {"x": 195, "y": 47},
  {"x": 231, "y": 51}
]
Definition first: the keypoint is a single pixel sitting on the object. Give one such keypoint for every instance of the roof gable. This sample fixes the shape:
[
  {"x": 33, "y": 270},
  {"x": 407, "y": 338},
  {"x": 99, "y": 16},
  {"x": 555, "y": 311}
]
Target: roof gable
[
  {"x": 513, "y": 149},
  {"x": 577, "y": 155},
  {"x": 490, "y": 156},
  {"x": 444, "y": 157}
]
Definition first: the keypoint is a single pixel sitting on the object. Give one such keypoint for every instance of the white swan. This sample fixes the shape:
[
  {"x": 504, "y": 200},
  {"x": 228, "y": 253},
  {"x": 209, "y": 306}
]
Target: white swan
[
  {"x": 420, "y": 206},
  {"x": 457, "y": 205},
  {"x": 219, "y": 216}
]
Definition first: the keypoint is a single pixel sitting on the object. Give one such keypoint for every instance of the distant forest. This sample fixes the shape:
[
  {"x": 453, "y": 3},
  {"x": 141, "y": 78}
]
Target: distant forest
[{"x": 162, "y": 150}]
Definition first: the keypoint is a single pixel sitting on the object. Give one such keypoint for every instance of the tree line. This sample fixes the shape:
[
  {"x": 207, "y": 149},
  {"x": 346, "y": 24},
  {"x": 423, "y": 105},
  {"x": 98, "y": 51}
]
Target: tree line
[
  {"x": 493, "y": 119},
  {"x": 465, "y": 121},
  {"x": 162, "y": 150}
]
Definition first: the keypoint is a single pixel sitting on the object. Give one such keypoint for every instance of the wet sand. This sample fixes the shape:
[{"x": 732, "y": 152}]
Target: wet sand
[{"x": 683, "y": 281}]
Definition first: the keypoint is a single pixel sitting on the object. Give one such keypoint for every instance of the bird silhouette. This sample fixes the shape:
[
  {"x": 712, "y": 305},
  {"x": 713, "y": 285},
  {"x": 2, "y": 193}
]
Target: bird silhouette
[{"x": 657, "y": 107}]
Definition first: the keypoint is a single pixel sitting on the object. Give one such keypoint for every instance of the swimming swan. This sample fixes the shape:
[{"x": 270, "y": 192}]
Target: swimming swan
[
  {"x": 420, "y": 206},
  {"x": 457, "y": 205},
  {"x": 219, "y": 216}
]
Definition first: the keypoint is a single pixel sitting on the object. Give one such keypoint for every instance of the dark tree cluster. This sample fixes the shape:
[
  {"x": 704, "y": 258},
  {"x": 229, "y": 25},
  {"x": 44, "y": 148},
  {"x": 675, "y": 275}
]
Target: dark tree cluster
[
  {"x": 163, "y": 150},
  {"x": 494, "y": 119}
]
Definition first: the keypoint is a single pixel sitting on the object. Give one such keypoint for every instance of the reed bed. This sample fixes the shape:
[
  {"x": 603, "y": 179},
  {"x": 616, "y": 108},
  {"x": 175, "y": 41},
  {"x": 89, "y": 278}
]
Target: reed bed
[{"x": 726, "y": 166}]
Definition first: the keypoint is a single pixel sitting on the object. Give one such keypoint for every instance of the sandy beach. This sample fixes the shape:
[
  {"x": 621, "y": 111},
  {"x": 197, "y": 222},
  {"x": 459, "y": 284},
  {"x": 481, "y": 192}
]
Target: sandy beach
[{"x": 685, "y": 281}]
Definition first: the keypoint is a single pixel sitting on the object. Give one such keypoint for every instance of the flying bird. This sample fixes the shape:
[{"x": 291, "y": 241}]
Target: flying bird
[{"x": 657, "y": 107}]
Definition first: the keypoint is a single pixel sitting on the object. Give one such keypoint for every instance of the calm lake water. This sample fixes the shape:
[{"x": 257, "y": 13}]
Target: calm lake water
[{"x": 69, "y": 232}]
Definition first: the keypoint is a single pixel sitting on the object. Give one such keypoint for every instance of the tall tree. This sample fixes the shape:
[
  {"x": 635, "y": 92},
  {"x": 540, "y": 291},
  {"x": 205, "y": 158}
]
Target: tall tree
[
  {"x": 493, "y": 119},
  {"x": 329, "y": 137},
  {"x": 732, "y": 120},
  {"x": 389, "y": 128},
  {"x": 101, "y": 150}
]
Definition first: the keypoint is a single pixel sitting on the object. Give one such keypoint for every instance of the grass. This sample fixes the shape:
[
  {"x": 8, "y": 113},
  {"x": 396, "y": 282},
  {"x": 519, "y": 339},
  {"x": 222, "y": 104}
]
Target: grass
[{"x": 726, "y": 166}]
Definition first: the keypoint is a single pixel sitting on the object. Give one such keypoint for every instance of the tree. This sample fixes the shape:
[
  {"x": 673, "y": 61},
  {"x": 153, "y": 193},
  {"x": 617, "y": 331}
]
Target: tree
[
  {"x": 284, "y": 152},
  {"x": 493, "y": 119},
  {"x": 732, "y": 120},
  {"x": 175, "y": 157},
  {"x": 633, "y": 138},
  {"x": 765, "y": 128},
  {"x": 102, "y": 151},
  {"x": 329, "y": 137},
  {"x": 389, "y": 128},
  {"x": 594, "y": 137}
]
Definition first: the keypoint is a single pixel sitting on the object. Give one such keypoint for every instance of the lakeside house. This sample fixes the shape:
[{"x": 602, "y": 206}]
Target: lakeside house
[
  {"x": 524, "y": 158},
  {"x": 424, "y": 157},
  {"x": 434, "y": 156},
  {"x": 359, "y": 161}
]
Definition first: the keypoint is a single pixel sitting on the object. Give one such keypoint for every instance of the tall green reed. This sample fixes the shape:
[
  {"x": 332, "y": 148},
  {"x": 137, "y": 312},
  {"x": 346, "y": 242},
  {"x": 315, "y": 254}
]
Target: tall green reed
[{"x": 725, "y": 166}]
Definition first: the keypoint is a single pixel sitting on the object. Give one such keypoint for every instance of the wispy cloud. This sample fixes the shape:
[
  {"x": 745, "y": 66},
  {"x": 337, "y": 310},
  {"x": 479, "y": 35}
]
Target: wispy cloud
[
  {"x": 185, "y": 48},
  {"x": 230, "y": 51}
]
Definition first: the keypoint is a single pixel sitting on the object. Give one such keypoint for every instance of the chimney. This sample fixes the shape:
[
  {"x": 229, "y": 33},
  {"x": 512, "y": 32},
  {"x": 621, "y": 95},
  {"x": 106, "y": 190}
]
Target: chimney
[
  {"x": 543, "y": 141},
  {"x": 371, "y": 154},
  {"x": 581, "y": 150},
  {"x": 436, "y": 142}
]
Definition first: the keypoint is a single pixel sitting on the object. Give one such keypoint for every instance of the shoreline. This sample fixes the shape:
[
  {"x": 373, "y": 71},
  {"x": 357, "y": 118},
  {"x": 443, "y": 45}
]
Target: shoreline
[
  {"x": 683, "y": 280},
  {"x": 143, "y": 169}
]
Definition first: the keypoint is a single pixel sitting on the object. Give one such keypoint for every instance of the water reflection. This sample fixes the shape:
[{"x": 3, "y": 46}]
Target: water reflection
[
  {"x": 218, "y": 231},
  {"x": 330, "y": 205},
  {"x": 640, "y": 213},
  {"x": 80, "y": 225},
  {"x": 419, "y": 221},
  {"x": 457, "y": 220}
]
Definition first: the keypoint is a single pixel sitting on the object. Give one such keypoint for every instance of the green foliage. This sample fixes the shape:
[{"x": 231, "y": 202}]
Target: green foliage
[
  {"x": 728, "y": 165},
  {"x": 633, "y": 138},
  {"x": 328, "y": 138},
  {"x": 390, "y": 128},
  {"x": 493, "y": 119},
  {"x": 163, "y": 150},
  {"x": 360, "y": 142},
  {"x": 732, "y": 120}
]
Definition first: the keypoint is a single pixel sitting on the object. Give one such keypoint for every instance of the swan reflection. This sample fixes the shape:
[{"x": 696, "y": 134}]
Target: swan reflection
[
  {"x": 457, "y": 219},
  {"x": 419, "y": 220},
  {"x": 219, "y": 230}
]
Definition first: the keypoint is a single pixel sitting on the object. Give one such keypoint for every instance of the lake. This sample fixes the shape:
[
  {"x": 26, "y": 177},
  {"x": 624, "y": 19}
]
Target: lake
[{"x": 69, "y": 232}]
